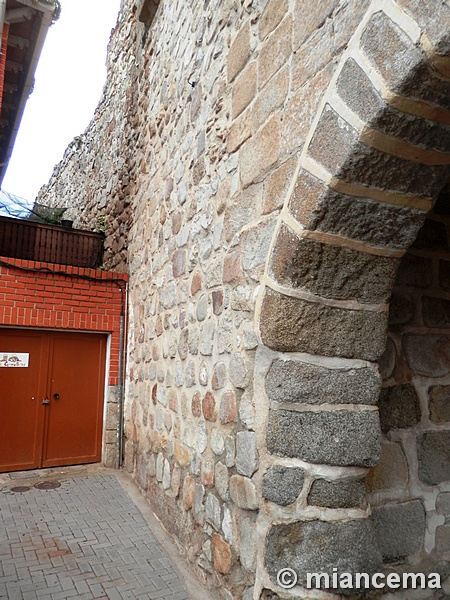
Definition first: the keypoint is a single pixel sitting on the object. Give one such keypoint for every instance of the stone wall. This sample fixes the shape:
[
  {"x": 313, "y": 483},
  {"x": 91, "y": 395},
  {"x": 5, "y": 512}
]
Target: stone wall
[
  {"x": 94, "y": 179},
  {"x": 366, "y": 178},
  {"x": 262, "y": 207},
  {"x": 410, "y": 487}
]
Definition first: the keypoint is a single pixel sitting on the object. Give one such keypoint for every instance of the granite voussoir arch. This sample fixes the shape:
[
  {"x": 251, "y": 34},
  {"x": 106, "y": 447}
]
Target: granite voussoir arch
[{"x": 375, "y": 159}]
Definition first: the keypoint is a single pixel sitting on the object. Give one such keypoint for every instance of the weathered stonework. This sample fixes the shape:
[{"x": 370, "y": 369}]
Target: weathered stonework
[
  {"x": 290, "y": 381},
  {"x": 334, "y": 438},
  {"x": 330, "y": 271},
  {"x": 433, "y": 450},
  {"x": 350, "y": 545},
  {"x": 260, "y": 168},
  {"x": 342, "y": 494},
  {"x": 414, "y": 409},
  {"x": 282, "y": 484},
  {"x": 292, "y": 325},
  {"x": 399, "y": 529},
  {"x": 399, "y": 407}
]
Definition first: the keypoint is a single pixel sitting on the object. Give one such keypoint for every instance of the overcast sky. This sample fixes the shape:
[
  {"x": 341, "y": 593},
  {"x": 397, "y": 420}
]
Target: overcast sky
[{"x": 69, "y": 81}]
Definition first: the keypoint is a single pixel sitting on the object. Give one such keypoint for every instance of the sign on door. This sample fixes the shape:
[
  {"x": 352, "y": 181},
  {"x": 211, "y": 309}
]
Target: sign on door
[{"x": 13, "y": 359}]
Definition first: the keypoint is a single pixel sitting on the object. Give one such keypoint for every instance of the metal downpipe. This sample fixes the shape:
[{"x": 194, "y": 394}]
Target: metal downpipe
[{"x": 120, "y": 398}]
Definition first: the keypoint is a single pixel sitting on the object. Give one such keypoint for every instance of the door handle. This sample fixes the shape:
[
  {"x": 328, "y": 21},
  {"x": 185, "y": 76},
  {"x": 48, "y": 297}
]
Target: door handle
[
  {"x": 45, "y": 401},
  {"x": 56, "y": 396}
]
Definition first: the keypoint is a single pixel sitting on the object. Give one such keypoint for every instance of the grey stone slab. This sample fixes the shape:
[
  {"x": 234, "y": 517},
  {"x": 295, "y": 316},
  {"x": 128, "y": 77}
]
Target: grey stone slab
[
  {"x": 439, "y": 404},
  {"x": 335, "y": 438},
  {"x": 337, "y": 494},
  {"x": 399, "y": 407},
  {"x": 331, "y": 271},
  {"x": 401, "y": 63},
  {"x": 295, "y": 381},
  {"x": 317, "y": 546},
  {"x": 443, "y": 504},
  {"x": 283, "y": 484},
  {"x": 433, "y": 453},
  {"x": 399, "y": 529},
  {"x": 289, "y": 324},
  {"x": 356, "y": 89},
  {"x": 426, "y": 354},
  {"x": 337, "y": 147},
  {"x": 321, "y": 208}
]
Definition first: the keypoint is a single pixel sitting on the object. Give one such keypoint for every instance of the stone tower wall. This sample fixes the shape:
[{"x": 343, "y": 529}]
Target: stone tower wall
[
  {"x": 94, "y": 179},
  {"x": 262, "y": 167}
]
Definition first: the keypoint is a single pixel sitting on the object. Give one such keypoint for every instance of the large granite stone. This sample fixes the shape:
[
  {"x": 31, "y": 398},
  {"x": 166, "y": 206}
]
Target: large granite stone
[
  {"x": 316, "y": 546},
  {"x": 399, "y": 407},
  {"x": 392, "y": 470},
  {"x": 331, "y": 271},
  {"x": 295, "y": 381},
  {"x": 336, "y": 146},
  {"x": 317, "y": 207},
  {"x": 239, "y": 52},
  {"x": 443, "y": 539},
  {"x": 439, "y": 404},
  {"x": 334, "y": 438},
  {"x": 401, "y": 64},
  {"x": 427, "y": 355},
  {"x": 433, "y": 454},
  {"x": 356, "y": 89},
  {"x": 443, "y": 504},
  {"x": 431, "y": 22},
  {"x": 337, "y": 494},
  {"x": 399, "y": 529},
  {"x": 282, "y": 485},
  {"x": 293, "y": 325}
]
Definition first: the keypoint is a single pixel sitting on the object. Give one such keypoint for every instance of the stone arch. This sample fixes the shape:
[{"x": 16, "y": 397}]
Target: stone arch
[{"x": 375, "y": 159}]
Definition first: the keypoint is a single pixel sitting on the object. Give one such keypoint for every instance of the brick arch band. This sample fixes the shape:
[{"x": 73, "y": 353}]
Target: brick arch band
[{"x": 375, "y": 159}]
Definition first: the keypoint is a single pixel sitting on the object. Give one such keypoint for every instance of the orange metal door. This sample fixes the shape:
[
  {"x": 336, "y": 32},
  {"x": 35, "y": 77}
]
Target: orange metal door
[
  {"x": 51, "y": 411},
  {"x": 73, "y": 427},
  {"x": 21, "y": 394}
]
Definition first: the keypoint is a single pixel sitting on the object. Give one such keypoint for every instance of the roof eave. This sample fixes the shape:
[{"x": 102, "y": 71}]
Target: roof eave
[{"x": 48, "y": 12}]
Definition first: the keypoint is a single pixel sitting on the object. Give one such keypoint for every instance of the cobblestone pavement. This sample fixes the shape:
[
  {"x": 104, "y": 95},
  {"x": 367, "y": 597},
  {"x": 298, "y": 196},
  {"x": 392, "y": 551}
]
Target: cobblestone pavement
[{"x": 85, "y": 539}]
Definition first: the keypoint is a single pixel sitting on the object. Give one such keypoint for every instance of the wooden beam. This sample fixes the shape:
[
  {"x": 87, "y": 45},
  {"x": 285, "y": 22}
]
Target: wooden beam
[{"x": 16, "y": 41}]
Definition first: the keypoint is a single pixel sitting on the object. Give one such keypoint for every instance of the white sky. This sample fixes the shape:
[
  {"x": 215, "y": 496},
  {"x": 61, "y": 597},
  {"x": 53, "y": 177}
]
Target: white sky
[{"x": 69, "y": 81}]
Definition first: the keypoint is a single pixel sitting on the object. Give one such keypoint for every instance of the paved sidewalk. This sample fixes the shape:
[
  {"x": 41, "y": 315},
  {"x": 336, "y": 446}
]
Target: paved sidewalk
[{"x": 85, "y": 539}]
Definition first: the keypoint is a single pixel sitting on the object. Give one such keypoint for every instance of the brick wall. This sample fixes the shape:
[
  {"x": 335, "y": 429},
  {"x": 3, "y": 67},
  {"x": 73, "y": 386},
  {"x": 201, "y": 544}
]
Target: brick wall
[
  {"x": 50, "y": 296},
  {"x": 45, "y": 295}
]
